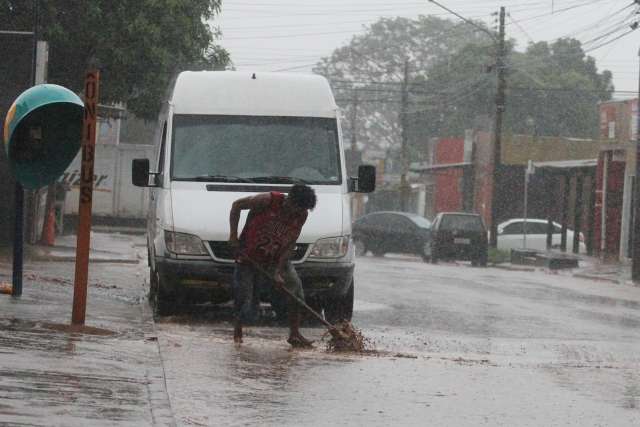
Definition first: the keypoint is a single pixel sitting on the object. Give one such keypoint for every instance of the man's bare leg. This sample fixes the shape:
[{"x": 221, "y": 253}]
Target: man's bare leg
[
  {"x": 295, "y": 337},
  {"x": 237, "y": 331}
]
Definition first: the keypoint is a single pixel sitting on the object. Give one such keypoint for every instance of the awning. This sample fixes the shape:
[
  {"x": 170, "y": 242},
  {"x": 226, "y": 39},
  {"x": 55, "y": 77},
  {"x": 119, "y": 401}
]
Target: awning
[
  {"x": 425, "y": 168},
  {"x": 564, "y": 165}
]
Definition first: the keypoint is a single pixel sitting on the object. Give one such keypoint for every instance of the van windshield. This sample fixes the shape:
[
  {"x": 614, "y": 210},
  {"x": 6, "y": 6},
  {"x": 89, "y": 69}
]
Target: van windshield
[{"x": 261, "y": 149}]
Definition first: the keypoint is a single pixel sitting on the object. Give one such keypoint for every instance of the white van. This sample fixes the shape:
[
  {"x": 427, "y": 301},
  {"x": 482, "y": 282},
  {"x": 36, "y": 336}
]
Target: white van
[{"x": 225, "y": 135}]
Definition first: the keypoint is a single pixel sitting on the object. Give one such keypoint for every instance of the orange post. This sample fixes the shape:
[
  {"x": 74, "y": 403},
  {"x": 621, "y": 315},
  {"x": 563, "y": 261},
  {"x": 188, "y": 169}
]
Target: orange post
[{"x": 91, "y": 86}]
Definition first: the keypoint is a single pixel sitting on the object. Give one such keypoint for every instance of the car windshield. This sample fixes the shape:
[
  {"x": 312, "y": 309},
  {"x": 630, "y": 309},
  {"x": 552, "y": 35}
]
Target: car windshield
[
  {"x": 255, "y": 149},
  {"x": 420, "y": 221},
  {"x": 461, "y": 222}
]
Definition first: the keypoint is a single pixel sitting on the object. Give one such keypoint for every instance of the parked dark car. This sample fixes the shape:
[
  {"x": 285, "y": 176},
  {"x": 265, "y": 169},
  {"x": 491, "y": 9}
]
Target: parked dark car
[
  {"x": 457, "y": 235},
  {"x": 382, "y": 232}
]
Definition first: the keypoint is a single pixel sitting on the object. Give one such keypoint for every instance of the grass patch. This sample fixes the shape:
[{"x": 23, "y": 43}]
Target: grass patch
[{"x": 496, "y": 256}]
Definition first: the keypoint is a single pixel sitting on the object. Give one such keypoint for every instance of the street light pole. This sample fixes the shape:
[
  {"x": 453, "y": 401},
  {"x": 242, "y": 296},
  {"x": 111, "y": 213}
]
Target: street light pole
[
  {"x": 404, "y": 182},
  {"x": 635, "y": 264}
]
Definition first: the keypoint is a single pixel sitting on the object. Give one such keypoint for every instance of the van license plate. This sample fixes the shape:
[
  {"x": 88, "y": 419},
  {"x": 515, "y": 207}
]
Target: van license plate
[{"x": 461, "y": 241}]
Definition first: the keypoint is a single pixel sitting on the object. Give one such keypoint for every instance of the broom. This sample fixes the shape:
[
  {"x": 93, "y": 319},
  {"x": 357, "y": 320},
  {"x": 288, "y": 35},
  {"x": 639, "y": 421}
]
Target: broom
[{"x": 344, "y": 336}]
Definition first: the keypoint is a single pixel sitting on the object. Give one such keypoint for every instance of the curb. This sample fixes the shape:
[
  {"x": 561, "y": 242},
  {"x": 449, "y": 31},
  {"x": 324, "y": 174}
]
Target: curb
[
  {"x": 159, "y": 401},
  {"x": 38, "y": 254},
  {"x": 597, "y": 279},
  {"x": 54, "y": 258},
  {"x": 511, "y": 268}
]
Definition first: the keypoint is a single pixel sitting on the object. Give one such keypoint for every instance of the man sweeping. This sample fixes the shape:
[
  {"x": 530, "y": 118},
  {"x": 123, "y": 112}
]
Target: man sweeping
[{"x": 267, "y": 240}]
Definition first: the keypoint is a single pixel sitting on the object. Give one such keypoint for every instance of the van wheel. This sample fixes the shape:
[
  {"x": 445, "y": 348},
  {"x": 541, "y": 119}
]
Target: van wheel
[
  {"x": 340, "y": 308},
  {"x": 162, "y": 302},
  {"x": 280, "y": 307}
]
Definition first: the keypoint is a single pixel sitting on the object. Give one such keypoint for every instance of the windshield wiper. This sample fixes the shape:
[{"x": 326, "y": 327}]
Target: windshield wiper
[
  {"x": 219, "y": 178},
  {"x": 278, "y": 179}
]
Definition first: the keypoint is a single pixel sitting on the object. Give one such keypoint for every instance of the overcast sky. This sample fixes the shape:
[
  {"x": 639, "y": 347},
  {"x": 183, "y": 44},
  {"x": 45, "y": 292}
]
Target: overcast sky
[{"x": 270, "y": 35}]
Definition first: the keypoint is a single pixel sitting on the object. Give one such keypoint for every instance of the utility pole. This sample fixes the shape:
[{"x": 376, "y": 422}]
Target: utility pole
[
  {"x": 354, "y": 160},
  {"x": 354, "y": 121},
  {"x": 497, "y": 131},
  {"x": 404, "y": 160},
  {"x": 635, "y": 262}
]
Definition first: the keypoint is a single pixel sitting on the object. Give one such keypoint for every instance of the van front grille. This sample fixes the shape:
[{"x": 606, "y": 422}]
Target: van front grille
[{"x": 222, "y": 250}]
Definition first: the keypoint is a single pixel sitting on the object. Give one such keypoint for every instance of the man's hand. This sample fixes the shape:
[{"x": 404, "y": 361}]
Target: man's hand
[
  {"x": 234, "y": 244},
  {"x": 278, "y": 280}
]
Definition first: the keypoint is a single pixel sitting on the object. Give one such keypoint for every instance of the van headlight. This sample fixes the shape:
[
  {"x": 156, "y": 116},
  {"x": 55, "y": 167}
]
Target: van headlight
[
  {"x": 184, "y": 244},
  {"x": 333, "y": 247}
]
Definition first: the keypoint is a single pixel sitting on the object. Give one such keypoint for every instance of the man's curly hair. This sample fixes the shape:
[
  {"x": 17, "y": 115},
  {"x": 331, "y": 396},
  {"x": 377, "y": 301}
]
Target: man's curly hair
[{"x": 303, "y": 196}]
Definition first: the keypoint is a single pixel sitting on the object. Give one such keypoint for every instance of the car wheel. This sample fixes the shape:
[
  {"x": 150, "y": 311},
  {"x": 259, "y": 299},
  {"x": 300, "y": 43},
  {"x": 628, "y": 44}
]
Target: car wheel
[
  {"x": 360, "y": 247},
  {"x": 377, "y": 251},
  {"x": 483, "y": 259},
  {"x": 340, "y": 308},
  {"x": 426, "y": 252}
]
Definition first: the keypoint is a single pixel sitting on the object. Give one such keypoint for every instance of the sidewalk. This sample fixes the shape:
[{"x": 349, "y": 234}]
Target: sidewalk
[
  {"x": 105, "y": 247},
  {"x": 591, "y": 268},
  {"x": 595, "y": 269},
  {"x": 108, "y": 373}
]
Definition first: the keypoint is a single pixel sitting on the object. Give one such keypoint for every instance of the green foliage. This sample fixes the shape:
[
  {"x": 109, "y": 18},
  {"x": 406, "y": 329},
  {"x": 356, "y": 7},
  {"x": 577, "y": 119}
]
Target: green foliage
[
  {"x": 374, "y": 62},
  {"x": 138, "y": 45},
  {"x": 497, "y": 256},
  {"x": 553, "y": 89}
]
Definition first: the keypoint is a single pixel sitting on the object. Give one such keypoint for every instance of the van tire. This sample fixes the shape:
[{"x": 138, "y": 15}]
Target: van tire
[
  {"x": 340, "y": 308},
  {"x": 162, "y": 303},
  {"x": 280, "y": 307}
]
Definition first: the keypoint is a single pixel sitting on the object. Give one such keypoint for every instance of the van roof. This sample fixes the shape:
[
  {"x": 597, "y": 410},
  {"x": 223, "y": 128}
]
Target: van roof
[{"x": 238, "y": 93}]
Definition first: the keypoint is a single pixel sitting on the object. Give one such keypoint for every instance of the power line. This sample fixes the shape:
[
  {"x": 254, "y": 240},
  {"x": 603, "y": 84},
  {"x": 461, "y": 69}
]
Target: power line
[
  {"x": 468, "y": 21},
  {"x": 521, "y": 29},
  {"x": 612, "y": 40},
  {"x": 559, "y": 11}
]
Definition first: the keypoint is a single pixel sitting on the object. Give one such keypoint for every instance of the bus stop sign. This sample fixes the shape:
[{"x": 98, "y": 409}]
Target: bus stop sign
[{"x": 42, "y": 134}]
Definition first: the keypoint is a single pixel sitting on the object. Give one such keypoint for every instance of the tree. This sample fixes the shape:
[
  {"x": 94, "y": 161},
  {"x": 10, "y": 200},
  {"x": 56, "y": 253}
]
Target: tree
[
  {"x": 373, "y": 64},
  {"x": 552, "y": 90},
  {"x": 139, "y": 45}
]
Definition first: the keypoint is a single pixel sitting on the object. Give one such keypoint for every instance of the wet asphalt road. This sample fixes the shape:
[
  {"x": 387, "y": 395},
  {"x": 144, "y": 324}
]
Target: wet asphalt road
[{"x": 458, "y": 346}]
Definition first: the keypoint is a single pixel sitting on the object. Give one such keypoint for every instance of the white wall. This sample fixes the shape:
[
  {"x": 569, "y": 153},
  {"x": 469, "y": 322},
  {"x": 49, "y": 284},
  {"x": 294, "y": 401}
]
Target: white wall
[{"x": 113, "y": 194}]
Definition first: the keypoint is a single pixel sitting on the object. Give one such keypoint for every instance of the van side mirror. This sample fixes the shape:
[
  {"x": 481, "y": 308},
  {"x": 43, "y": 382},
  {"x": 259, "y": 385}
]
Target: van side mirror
[
  {"x": 366, "y": 180},
  {"x": 140, "y": 172}
]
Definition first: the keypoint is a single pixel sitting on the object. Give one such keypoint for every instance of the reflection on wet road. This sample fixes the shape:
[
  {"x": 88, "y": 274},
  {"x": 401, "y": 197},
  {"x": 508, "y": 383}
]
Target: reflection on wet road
[{"x": 458, "y": 346}]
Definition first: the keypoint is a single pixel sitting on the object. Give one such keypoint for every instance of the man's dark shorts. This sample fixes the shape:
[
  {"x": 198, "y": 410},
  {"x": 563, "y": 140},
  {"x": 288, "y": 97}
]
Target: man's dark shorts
[{"x": 249, "y": 284}]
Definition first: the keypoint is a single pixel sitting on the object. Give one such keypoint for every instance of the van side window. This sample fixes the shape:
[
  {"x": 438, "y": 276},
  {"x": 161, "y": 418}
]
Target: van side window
[{"x": 160, "y": 167}]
